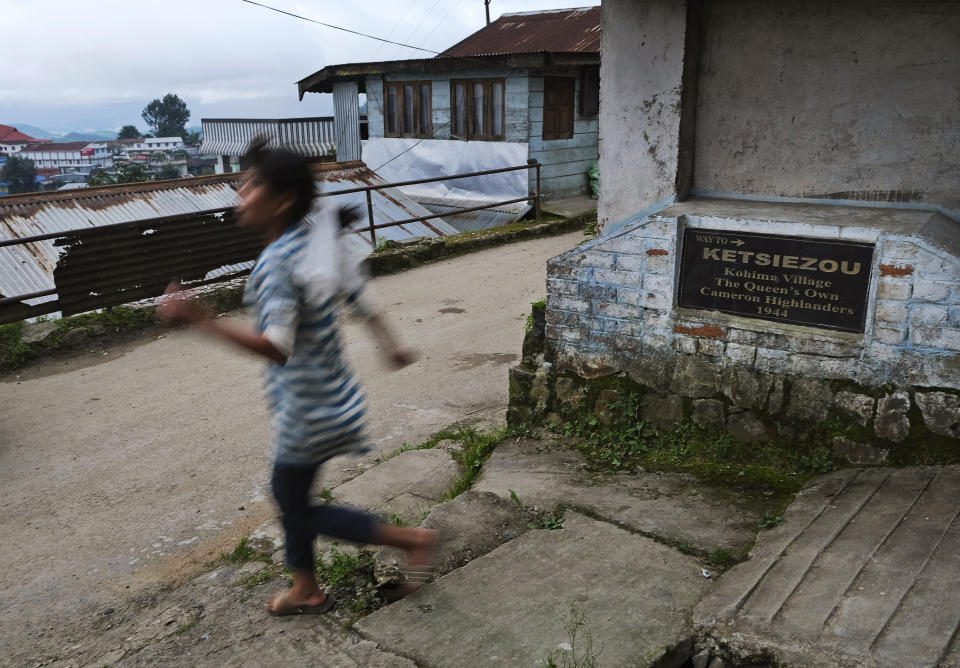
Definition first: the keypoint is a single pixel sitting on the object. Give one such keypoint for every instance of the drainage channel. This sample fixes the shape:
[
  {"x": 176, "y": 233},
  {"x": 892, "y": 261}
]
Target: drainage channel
[{"x": 706, "y": 653}]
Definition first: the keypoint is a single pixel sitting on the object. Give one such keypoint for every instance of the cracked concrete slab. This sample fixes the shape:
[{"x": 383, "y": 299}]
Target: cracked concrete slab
[
  {"x": 863, "y": 572},
  {"x": 407, "y": 485},
  {"x": 671, "y": 506},
  {"x": 507, "y": 608}
]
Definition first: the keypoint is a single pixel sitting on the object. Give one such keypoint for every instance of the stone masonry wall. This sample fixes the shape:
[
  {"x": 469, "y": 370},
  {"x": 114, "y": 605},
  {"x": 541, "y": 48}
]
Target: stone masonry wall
[{"x": 611, "y": 311}]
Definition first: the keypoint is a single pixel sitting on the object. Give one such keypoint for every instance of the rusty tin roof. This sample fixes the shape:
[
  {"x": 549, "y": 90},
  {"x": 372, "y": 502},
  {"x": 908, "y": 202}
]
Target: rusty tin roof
[{"x": 554, "y": 31}]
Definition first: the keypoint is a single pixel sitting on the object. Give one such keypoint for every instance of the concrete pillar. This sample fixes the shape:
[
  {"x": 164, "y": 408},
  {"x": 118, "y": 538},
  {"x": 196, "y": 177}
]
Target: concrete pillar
[{"x": 640, "y": 140}]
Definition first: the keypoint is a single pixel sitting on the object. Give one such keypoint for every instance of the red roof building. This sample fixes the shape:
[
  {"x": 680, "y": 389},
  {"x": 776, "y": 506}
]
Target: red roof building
[
  {"x": 12, "y": 140},
  {"x": 10, "y": 135}
]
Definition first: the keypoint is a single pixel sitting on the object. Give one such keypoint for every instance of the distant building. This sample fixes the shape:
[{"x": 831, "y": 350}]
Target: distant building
[
  {"x": 145, "y": 146},
  {"x": 228, "y": 138},
  {"x": 12, "y": 140},
  {"x": 78, "y": 156}
]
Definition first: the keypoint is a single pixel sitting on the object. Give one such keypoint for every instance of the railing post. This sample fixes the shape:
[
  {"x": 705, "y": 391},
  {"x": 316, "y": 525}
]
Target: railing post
[
  {"x": 373, "y": 231},
  {"x": 536, "y": 200}
]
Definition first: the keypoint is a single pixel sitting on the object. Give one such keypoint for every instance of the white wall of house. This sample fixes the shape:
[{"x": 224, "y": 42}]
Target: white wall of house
[
  {"x": 565, "y": 161},
  {"x": 70, "y": 160}
]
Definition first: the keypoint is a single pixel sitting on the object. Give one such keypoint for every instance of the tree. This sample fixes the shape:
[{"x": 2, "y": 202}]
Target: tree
[
  {"x": 168, "y": 172},
  {"x": 132, "y": 173},
  {"x": 21, "y": 174},
  {"x": 100, "y": 179},
  {"x": 167, "y": 117},
  {"x": 128, "y": 132},
  {"x": 126, "y": 173}
]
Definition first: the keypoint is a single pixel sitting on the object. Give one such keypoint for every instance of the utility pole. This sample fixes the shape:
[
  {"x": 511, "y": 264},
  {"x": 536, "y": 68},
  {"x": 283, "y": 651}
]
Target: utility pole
[{"x": 486, "y": 5}]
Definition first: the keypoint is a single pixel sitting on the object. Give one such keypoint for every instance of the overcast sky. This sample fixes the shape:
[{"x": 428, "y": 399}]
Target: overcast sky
[{"x": 69, "y": 65}]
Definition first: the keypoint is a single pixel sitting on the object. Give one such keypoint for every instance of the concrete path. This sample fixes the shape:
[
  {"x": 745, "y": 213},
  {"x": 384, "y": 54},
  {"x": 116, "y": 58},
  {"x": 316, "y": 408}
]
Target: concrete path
[
  {"x": 865, "y": 571},
  {"x": 125, "y": 468}
]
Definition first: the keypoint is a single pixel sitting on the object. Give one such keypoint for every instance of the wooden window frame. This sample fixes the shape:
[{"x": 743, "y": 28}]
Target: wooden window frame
[
  {"x": 418, "y": 132},
  {"x": 488, "y": 102},
  {"x": 593, "y": 110},
  {"x": 550, "y": 134}
]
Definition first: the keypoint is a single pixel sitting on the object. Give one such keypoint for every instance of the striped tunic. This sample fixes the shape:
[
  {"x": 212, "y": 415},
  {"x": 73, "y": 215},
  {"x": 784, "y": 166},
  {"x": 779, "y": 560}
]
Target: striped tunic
[{"x": 318, "y": 407}]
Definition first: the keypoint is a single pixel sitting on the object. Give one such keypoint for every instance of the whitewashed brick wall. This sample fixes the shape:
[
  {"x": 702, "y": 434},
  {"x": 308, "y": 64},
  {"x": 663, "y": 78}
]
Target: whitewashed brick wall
[{"x": 612, "y": 300}]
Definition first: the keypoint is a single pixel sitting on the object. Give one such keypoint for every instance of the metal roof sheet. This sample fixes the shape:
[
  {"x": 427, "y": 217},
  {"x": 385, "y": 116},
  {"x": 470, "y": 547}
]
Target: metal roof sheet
[
  {"x": 28, "y": 268},
  {"x": 472, "y": 221},
  {"x": 558, "y": 30}
]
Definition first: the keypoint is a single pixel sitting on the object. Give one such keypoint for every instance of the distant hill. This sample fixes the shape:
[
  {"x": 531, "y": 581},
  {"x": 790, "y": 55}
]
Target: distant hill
[
  {"x": 97, "y": 136},
  {"x": 33, "y": 131},
  {"x": 40, "y": 133}
]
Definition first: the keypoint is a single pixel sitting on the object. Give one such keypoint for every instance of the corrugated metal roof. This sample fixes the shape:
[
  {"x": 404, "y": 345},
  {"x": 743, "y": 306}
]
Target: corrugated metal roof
[
  {"x": 472, "y": 221},
  {"x": 557, "y": 31},
  {"x": 29, "y": 268}
]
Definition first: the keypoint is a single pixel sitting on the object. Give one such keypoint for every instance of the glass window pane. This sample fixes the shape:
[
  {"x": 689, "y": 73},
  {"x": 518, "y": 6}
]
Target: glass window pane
[
  {"x": 425, "y": 109},
  {"x": 460, "y": 120},
  {"x": 408, "y": 110},
  {"x": 391, "y": 110},
  {"x": 477, "y": 109},
  {"x": 496, "y": 109}
]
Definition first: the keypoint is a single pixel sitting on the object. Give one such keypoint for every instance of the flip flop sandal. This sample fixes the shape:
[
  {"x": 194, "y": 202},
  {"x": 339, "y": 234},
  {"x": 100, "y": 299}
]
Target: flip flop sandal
[{"x": 282, "y": 608}]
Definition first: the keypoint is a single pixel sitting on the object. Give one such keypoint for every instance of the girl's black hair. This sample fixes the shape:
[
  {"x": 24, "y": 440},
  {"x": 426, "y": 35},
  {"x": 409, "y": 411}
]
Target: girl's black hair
[{"x": 285, "y": 173}]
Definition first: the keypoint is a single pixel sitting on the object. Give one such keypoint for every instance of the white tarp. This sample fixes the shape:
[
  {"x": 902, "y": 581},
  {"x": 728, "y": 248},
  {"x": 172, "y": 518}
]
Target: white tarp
[{"x": 397, "y": 159}]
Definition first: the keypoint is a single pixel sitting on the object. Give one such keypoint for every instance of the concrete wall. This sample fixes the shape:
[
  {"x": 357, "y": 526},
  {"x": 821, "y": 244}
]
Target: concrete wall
[
  {"x": 848, "y": 100},
  {"x": 565, "y": 161},
  {"x": 515, "y": 101},
  {"x": 640, "y": 88}
]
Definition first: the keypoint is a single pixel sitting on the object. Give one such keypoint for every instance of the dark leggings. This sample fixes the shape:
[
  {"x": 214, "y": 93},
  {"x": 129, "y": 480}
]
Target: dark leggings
[{"x": 303, "y": 522}]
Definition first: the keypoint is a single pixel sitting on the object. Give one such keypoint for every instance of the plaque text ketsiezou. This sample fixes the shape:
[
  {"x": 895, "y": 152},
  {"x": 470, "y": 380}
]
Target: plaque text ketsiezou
[{"x": 802, "y": 281}]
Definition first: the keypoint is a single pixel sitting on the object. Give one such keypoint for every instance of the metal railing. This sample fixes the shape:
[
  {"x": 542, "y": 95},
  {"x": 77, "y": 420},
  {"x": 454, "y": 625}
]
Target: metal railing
[{"x": 124, "y": 262}]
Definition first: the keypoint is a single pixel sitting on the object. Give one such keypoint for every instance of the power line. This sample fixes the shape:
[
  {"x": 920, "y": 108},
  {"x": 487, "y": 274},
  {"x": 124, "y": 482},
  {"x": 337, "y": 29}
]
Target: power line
[
  {"x": 443, "y": 20},
  {"x": 419, "y": 25},
  {"x": 411, "y": 147},
  {"x": 393, "y": 29},
  {"x": 330, "y": 25}
]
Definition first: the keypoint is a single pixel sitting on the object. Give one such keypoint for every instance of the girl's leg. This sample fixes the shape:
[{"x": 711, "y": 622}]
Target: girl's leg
[{"x": 291, "y": 489}]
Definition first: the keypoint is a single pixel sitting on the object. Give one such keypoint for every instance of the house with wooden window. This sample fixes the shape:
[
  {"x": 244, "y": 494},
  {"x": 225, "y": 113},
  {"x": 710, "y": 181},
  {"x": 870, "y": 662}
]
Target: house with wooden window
[{"x": 524, "y": 87}]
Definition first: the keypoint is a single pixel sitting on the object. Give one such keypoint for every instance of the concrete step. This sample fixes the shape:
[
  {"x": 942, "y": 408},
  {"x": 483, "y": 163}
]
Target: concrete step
[
  {"x": 863, "y": 572},
  {"x": 508, "y": 608},
  {"x": 671, "y": 506}
]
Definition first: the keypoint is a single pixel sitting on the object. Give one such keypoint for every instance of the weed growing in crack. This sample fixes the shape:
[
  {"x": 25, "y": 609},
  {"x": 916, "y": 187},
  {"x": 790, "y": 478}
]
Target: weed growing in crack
[
  {"x": 252, "y": 581},
  {"x": 350, "y": 578},
  {"x": 578, "y": 651},
  {"x": 541, "y": 519},
  {"x": 617, "y": 438},
  {"x": 243, "y": 553},
  {"x": 770, "y": 520},
  {"x": 722, "y": 559},
  {"x": 477, "y": 449},
  {"x": 342, "y": 567}
]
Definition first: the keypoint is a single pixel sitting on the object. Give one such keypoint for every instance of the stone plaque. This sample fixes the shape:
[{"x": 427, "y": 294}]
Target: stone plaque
[{"x": 802, "y": 281}]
